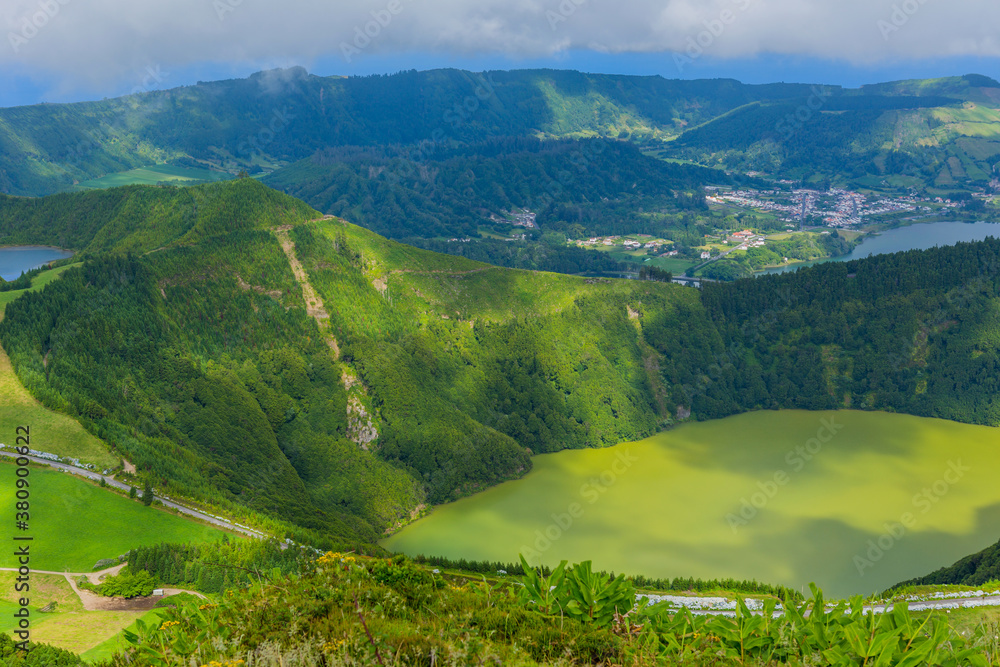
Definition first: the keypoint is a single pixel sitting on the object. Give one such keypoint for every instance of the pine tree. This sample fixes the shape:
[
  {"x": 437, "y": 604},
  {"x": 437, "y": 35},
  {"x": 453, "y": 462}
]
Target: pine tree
[{"x": 147, "y": 494}]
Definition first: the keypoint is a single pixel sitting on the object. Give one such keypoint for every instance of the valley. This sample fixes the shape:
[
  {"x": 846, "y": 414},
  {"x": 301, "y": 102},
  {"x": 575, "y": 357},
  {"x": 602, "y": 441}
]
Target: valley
[{"x": 394, "y": 345}]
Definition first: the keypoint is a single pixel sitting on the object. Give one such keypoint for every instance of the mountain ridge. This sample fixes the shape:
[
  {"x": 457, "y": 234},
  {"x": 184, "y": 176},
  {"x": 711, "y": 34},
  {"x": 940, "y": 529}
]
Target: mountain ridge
[{"x": 278, "y": 116}]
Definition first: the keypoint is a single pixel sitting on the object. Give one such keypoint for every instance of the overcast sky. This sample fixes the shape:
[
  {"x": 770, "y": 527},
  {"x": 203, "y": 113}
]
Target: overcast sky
[{"x": 62, "y": 50}]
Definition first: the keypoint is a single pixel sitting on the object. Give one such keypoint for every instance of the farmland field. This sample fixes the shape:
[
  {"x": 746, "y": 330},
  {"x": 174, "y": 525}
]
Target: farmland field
[{"x": 160, "y": 173}]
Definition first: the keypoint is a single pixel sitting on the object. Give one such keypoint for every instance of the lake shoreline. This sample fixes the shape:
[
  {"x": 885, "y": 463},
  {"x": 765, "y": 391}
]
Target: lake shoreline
[
  {"x": 914, "y": 236},
  {"x": 16, "y": 260}
]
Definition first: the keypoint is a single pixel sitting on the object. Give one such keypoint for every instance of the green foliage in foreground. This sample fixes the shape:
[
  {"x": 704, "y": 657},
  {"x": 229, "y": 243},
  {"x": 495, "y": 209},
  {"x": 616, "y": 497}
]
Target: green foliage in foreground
[
  {"x": 677, "y": 584},
  {"x": 347, "y": 610},
  {"x": 37, "y": 655}
]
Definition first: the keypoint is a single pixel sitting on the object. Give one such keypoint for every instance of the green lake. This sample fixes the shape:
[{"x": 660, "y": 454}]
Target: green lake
[{"x": 854, "y": 501}]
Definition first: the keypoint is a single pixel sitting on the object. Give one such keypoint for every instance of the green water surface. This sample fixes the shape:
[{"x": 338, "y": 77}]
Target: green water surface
[{"x": 854, "y": 501}]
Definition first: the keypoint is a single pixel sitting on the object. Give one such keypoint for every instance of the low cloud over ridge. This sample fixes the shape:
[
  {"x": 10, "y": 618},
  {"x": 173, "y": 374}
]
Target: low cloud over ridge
[{"x": 91, "y": 43}]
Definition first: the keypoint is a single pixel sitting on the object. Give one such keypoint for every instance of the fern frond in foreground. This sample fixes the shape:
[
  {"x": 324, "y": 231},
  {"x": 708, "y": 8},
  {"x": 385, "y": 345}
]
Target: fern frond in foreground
[{"x": 347, "y": 610}]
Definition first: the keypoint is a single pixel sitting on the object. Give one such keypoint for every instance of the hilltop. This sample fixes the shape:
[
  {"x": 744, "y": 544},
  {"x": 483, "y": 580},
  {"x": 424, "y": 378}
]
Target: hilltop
[{"x": 250, "y": 353}]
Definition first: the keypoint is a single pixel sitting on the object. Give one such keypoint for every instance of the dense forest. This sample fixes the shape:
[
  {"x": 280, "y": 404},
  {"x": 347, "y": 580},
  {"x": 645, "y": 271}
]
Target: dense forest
[
  {"x": 580, "y": 188},
  {"x": 907, "y": 332},
  {"x": 975, "y": 570}
]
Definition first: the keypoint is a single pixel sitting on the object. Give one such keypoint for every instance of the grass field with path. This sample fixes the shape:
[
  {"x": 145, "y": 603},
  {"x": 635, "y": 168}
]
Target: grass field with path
[
  {"x": 75, "y": 523},
  {"x": 108, "y": 647},
  {"x": 69, "y": 626}
]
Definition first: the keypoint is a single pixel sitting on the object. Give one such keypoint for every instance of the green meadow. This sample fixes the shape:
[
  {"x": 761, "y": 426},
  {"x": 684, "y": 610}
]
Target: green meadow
[
  {"x": 69, "y": 626},
  {"x": 161, "y": 173},
  {"x": 854, "y": 501},
  {"x": 75, "y": 523}
]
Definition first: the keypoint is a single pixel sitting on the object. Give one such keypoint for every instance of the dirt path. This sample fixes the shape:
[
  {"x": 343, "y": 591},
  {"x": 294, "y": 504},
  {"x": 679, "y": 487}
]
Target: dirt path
[
  {"x": 361, "y": 427},
  {"x": 93, "y": 602},
  {"x": 314, "y": 305}
]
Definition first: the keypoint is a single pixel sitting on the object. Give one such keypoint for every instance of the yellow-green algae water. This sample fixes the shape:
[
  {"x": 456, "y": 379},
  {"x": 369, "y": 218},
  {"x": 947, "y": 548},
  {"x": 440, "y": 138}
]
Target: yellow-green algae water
[{"x": 854, "y": 501}]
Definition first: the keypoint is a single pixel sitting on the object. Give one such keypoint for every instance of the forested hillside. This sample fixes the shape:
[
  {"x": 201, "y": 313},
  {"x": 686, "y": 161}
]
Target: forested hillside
[
  {"x": 581, "y": 187},
  {"x": 405, "y": 376},
  {"x": 937, "y": 134},
  {"x": 202, "y": 363},
  {"x": 975, "y": 570},
  {"x": 287, "y": 115},
  {"x": 140, "y": 218},
  {"x": 912, "y": 332}
]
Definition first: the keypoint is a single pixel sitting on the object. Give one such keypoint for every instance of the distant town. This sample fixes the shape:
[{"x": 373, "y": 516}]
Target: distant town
[{"x": 834, "y": 207}]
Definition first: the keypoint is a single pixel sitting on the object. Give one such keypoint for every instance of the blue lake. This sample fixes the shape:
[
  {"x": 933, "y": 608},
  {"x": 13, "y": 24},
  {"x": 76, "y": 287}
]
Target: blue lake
[
  {"x": 17, "y": 260},
  {"x": 919, "y": 237}
]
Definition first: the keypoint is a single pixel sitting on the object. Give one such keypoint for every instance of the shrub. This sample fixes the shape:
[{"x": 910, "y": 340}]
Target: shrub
[{"x": 127, "y": 584}]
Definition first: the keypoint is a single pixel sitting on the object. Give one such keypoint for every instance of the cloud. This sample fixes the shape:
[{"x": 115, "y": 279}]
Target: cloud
[{"x": 91, "y": 43}]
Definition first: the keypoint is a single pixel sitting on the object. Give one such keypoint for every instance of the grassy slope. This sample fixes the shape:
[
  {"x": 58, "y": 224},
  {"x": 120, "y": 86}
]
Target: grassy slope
[
  {"x": 51, "y": 431},
  {"x": 141, "y": 219},
  {"x": 75, "y": 523},
  {"x": 545, "y": 361}
]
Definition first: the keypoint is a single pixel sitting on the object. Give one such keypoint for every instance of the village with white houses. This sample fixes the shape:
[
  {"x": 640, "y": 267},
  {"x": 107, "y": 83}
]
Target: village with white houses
[
  {"x": 835, "y": 207},
  {"x": 644, "y": 242},
  {"x": 518, "y": 217},
  {"x": 742, "y": 240}
]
